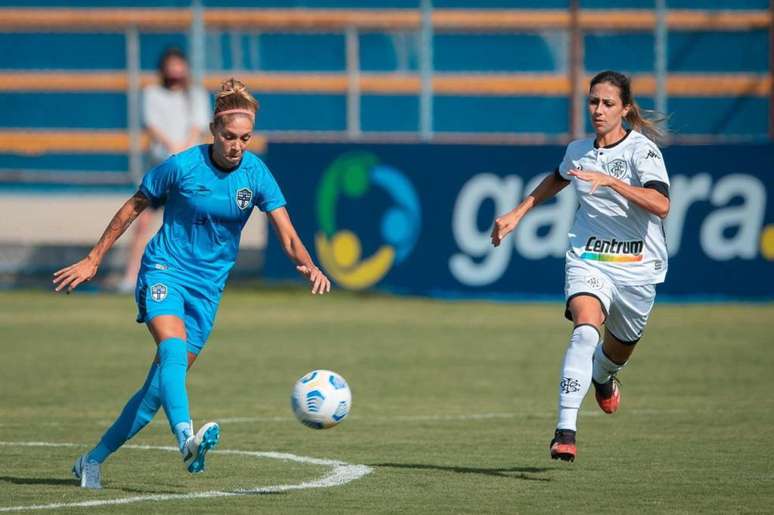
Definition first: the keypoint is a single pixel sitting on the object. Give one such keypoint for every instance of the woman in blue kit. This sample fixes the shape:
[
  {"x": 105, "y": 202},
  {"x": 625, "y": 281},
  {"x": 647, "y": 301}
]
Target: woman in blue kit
[{"x": 208, "y": 193}]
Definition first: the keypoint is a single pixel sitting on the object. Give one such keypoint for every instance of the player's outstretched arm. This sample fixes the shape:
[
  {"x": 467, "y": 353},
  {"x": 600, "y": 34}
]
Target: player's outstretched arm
[
  {"x": 295, "y": 250},
  {"x": 505, "y": 224},
  {"x": 648, "y": 199},
  {"x": 85, "y": 269}
]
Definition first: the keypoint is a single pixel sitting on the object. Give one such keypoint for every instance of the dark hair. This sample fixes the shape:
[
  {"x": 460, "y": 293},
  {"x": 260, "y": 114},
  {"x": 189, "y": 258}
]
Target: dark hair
[
  {"x": 636, "y": 119},
  {"x": 170, "y": 53}
]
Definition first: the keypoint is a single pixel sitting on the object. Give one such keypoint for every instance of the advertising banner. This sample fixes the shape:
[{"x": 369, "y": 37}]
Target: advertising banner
[{"x": 416, "y": 218}]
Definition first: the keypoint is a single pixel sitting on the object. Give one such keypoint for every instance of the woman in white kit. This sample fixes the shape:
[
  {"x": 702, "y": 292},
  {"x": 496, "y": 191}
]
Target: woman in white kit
[
  {"x": 176, "y": 114},
  {"x": 617, "y": 248}
]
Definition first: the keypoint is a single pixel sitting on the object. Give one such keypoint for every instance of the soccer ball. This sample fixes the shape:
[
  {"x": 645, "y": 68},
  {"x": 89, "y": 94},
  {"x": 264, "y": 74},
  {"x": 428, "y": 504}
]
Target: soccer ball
[{"x": 321, "y": 399}]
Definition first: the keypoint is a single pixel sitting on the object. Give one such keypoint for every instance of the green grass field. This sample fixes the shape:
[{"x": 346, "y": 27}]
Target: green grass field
[{"x": 453, "y": 408}]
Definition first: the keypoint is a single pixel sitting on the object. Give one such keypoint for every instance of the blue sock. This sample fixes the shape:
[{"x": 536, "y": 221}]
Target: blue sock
[
  {"x": 140, "y": 410},
  {"x": 173, "y": 365}
]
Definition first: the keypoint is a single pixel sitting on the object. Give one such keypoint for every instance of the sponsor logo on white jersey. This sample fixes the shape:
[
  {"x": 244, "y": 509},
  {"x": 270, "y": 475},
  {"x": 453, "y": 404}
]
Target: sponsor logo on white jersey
[{"x": 613, "y": 250}]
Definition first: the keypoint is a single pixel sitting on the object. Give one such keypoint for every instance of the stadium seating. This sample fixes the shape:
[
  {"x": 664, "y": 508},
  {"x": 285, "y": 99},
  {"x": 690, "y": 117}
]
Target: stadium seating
[{"x": 500, "y": 69}]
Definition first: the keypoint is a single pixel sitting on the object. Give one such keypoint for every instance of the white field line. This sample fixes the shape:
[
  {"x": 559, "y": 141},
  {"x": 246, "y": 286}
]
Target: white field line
[
  {"x": 341, "y": 473},
  {"x": 461, "y": 417},
  {"x": 591, "y": 412}
]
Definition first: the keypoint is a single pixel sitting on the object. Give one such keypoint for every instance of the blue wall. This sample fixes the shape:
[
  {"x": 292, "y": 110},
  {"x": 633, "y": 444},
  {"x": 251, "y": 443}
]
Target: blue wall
[{"x": 688, "y": 52}]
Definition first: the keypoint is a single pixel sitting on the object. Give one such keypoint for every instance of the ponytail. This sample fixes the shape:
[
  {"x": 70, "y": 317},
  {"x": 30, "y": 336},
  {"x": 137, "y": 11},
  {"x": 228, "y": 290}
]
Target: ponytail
[{"x": 646, "y": 121}]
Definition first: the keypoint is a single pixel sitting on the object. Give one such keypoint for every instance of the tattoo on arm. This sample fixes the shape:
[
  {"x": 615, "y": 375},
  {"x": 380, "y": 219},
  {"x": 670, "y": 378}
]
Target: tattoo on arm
[{"x": 121, "y": 221}]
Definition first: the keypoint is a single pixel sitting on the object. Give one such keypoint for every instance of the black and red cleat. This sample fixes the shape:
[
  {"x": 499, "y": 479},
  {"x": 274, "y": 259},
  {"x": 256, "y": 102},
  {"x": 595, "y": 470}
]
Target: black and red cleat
[
  {"x": 608, "y": 395},
  {"x": 563, "y": 445}
]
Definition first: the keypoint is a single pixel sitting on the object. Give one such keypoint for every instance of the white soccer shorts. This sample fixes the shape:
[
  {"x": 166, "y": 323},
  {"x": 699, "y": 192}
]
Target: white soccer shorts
[{"x": 626, "y": 308}]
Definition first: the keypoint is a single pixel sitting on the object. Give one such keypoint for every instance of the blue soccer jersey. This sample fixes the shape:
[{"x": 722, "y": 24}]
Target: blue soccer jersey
[{"x": 205, "y": 210}]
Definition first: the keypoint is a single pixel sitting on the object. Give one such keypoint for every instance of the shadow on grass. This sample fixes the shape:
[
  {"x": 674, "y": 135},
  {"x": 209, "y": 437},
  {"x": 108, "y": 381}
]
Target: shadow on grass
[
  {"x": 38, "y": 481},
  {"x": 77, "y": 483},
  {"x": 508, "y": 472},
  {"x": 113, "y": 486}
]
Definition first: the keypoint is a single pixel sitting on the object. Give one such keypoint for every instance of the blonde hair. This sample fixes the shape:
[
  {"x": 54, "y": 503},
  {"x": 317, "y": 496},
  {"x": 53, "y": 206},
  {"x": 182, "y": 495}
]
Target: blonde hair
[
  {"x": 233, "y": 96},
  {"x": 650, "y": 123}
]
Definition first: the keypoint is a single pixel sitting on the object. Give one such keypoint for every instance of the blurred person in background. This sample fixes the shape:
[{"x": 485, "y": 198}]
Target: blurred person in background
[
  {"x": 176, "y": 115},
  {"x": 209, "y": 192},
  {"x": 617, "y": 251}
]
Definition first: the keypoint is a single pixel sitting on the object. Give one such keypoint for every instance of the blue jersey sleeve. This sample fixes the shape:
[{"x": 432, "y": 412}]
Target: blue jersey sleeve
[
  {"x": 269, "y": 196},
  {"x": 158, "y": 181}
]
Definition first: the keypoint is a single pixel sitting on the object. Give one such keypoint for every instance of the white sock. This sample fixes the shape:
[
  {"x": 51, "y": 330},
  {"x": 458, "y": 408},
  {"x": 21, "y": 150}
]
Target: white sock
[
  {"x": 568, "y": 418},
  {"x": 604, "y": 368},
  {"x": 576, "y": 374}
]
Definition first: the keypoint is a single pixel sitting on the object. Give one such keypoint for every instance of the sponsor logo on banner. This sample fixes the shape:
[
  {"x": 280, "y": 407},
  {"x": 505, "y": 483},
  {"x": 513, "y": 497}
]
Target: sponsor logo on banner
[
  {"x": 541, "y": 233},
  {"x": 354, "y": 175},
  {"x": 733, "y": 228}
]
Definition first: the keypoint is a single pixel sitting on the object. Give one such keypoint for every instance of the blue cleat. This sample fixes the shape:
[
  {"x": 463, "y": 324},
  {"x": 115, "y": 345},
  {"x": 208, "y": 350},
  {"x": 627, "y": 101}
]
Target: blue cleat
[
  {"x": 196, "y": 447},
  {"x": 88, "y": 472}
]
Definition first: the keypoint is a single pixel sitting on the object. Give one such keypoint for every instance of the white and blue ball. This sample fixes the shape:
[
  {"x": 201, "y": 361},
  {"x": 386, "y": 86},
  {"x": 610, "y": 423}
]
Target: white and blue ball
[{"x": 321, "y": 399}]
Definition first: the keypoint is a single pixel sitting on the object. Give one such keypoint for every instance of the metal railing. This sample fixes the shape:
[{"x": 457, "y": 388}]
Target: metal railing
[{"x": 353, "y": 82}]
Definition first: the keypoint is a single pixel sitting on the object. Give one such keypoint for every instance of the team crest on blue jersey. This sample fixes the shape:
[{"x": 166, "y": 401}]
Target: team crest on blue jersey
[
  {"x": 158, "y": 292},
  {"x": 243, "y": 198}
]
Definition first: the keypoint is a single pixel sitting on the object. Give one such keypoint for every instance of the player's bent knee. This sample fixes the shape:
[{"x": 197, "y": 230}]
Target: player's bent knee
[
  {"x": 164, "y": 327},
  {"x": 618, "y": 350},
  {"x": 586, "y": 309}
]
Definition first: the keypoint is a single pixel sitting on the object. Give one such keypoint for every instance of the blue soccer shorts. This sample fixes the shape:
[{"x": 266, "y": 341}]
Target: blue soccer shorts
[{"x": 159, "y": 294}]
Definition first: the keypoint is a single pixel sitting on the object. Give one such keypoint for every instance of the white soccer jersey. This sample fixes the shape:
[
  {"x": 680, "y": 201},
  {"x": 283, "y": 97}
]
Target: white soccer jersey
[
  {"x": 174, "y": 113},
  {"x": 610, "y": 232}
]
